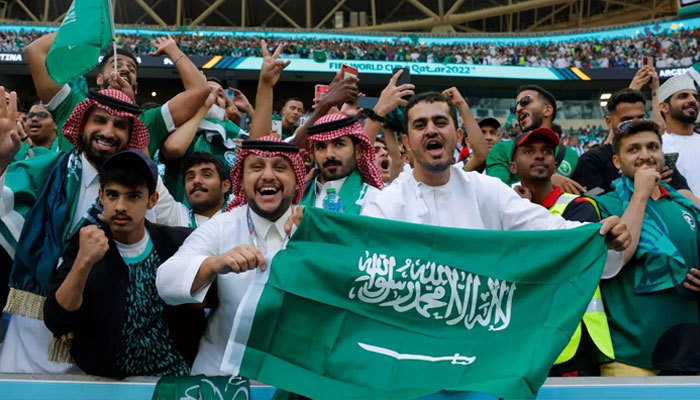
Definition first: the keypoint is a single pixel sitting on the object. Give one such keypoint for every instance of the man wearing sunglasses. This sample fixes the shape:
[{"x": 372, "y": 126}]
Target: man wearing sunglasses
[
  {"x": 534, "y": 107},
  {"x": 41, "y": 128},
  {"x": 652, "y": 303}
]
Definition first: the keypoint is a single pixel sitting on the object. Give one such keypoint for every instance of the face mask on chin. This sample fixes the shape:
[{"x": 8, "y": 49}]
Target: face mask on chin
[{"x": 216, "y": 112}]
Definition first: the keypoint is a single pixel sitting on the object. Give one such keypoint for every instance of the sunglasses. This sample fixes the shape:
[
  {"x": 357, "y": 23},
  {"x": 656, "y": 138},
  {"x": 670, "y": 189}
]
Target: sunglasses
[
  {"x": 522, "y": 102},
  {"x": 624, "y": 125},
  {"x": 39, "y": 115}
]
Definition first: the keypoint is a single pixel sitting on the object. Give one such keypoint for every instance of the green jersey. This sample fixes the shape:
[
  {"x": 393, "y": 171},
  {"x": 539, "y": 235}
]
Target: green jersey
[
  {"x": 651, "y": 330},
  {"x": 158, "y": 120},
  {"x": 500, "y": 157}
]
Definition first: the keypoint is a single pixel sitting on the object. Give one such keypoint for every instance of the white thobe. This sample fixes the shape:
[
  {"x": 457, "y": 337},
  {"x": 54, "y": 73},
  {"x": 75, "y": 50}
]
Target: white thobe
[
  {"x": 469, "y": 200},
  {"x": 217, "y": 236},
  {"x": 170, "y": 212},
  {"x": 688, "y": 149}
]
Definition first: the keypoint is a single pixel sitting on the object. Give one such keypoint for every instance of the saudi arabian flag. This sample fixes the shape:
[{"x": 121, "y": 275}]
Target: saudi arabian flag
[
  {"x": 86, "y": 30},
  {"x": 694, "y": 72},
  {"x": 363, "y": 308}
]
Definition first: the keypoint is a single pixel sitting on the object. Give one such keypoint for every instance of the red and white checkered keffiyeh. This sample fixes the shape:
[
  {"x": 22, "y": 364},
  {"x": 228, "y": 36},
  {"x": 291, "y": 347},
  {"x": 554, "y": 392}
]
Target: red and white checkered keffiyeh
[
  {"x": 75, "y": 123},
  {"x": 365, "y": 162},
  {"x": 237, "y": 172}
]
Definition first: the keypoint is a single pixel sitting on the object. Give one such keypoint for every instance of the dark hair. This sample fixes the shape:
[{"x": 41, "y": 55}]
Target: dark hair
[
  {"x": 545, "y": 95},
  {"x": 149, "y": 104},
  {"x": 108, "y": 52},
  {"x": 625, "y": 95},
  {"x": 200, "y": 157},
  {"x": 127, "y": 173},
  {"x": 634, "y": 127},
  {"x": 293, "y": 99},
  {"x": 216, "y": 80},
  {"x": 429, "y": 97},
  {"x": 380, "y": 139},
  {"x": 557, "y": 128}
]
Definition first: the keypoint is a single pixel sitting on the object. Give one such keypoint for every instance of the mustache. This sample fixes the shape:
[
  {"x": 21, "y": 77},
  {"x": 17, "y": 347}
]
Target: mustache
[
  {"x": 199, "y": 188},
  {"x": 111, "y": 141},
  {"x": 120, "y": 216},
  {"x": 332, "y": 162}
]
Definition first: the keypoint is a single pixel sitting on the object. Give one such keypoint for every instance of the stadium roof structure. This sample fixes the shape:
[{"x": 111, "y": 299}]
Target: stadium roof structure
[{"x": 438, "y": 16}]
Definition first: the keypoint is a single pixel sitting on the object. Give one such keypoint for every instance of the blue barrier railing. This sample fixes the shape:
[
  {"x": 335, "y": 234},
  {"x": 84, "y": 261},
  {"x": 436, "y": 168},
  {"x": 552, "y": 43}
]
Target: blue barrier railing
[{"x": 41, "y": 387}]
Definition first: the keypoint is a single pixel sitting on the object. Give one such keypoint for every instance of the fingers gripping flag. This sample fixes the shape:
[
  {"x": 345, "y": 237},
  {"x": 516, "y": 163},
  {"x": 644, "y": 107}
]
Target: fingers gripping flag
[
  {"x": 86, "y": 30},
  {"x": 358, "y": 308}
]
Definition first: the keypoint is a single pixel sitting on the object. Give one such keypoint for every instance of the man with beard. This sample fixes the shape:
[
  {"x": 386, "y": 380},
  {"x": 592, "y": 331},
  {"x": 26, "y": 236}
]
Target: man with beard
[
  {"x": 652, "y": 304},
  {"x": 679, "y": 104},
  {"x": 345, "y": 160},
  {"x": 160, "y": 121},
  {"x": 534, "y": 107},
  {"x": 291, "y": 112},
  {"x": 44, "y": 202},
  {"x": 533, "y": 162},
  {"x": 268, "y": 177},
  {"x": 441, "y": 194},
  {"x": 206, "y": 186},
  {"x": 596, "y": 168}
]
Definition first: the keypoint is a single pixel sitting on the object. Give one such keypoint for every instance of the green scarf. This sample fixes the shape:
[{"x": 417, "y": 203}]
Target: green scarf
[
  {"x": 352, "y": 194},
  {"x": 664, "y": 266},
  {"x": 46, "y": 229}
]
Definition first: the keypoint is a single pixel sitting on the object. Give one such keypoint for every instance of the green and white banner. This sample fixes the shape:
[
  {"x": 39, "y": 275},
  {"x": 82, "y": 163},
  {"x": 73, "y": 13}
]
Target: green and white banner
[
  {"x": 85, "y": 31},
  {"x": 357, "y": 307}
]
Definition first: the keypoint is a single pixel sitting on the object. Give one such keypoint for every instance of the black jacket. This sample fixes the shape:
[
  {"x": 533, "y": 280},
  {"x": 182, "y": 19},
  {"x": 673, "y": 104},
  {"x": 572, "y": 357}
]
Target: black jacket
[{"x": 97, "y": 325}]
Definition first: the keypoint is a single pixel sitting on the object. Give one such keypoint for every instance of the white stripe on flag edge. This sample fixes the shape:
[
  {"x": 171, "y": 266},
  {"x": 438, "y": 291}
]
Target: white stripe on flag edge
[{"x": 243, "y": 322}]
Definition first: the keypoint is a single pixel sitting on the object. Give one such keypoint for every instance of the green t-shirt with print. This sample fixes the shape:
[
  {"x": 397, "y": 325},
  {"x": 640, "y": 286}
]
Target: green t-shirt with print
[{"x": 652, "y": 330}]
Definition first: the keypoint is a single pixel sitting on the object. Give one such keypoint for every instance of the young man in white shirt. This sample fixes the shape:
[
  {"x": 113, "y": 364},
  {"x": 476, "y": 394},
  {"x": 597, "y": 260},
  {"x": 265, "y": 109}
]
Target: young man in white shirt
[
  {"x": 268, "y": 177},
  {"x": 438, "y": 193},
  {"x": 206, "y": 186},
  {"x": 678, "y": 101}
]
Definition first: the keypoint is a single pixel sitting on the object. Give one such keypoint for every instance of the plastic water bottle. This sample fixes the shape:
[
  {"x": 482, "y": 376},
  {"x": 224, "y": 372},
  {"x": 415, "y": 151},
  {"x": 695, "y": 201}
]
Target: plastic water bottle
[{"x": 332, "y": 201}]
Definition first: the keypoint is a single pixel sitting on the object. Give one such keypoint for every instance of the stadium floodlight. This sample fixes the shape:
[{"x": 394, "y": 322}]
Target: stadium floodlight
[
  {"x": 153, "y": 94},
  {"x": 603, "y": 104},
  {"x": 605, "y": 96}
]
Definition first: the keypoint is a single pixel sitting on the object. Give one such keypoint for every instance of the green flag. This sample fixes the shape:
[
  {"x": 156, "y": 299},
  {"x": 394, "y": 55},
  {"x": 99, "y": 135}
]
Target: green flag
[
  {"x": 694, "y": 72},
  {"x": 320, "y": 55},
  {"x": 358, "y": 308},
  {"x": 201, "y": 387},
  {"x": 86, "y": 30}
]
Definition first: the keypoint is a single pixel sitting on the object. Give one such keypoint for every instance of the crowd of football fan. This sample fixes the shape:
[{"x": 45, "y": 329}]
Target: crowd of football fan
[
  {"x": 129, "y": 234},
  {"x": 677, "y": 48}
]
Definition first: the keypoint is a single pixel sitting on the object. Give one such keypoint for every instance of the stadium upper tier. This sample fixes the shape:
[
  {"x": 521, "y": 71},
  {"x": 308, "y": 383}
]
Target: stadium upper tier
[{"x": 671, "y": 44}]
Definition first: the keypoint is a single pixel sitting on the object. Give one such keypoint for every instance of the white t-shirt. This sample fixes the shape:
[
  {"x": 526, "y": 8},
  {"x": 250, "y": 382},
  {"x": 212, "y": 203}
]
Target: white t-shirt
[{"x": 688, "y": 149}]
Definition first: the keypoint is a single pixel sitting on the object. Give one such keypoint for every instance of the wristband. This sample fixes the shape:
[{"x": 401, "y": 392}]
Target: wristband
[
  {"x": 178, "y": 58},
  {"x": 373, "y": 116},
  {"x": 24, "y": 139}
]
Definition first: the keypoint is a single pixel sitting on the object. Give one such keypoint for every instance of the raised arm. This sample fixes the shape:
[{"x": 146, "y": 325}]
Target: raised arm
[
  {"x": 391, "y": 97},
  {"x": 392, "y": 146},
  {"x": 35, "y": 56},
  {"x": 339, "y": 92},
  {"x": 269, "y": 76},
  {"x": 9, "y": 137},
  {"x": 474, "y": 135},
  {"x": 177, "y": 143},
  {"x": 185, "y": 105}
]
